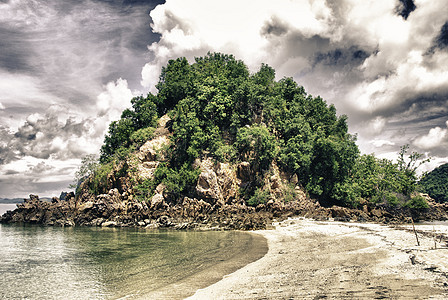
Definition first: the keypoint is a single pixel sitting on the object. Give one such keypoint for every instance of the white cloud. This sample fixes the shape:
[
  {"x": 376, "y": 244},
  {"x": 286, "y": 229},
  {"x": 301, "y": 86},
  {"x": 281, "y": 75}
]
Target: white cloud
[
  {"x": 116, "y": 97},
  {"x": 435, "y": 137},
  {"x": 2, "y": 106},
  {"x": 192, "y": 28},
  {"x": 380, "y": 143}
]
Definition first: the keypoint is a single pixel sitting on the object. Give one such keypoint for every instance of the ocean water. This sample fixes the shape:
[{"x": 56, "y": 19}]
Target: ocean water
[{"x": 112, "y": 263}]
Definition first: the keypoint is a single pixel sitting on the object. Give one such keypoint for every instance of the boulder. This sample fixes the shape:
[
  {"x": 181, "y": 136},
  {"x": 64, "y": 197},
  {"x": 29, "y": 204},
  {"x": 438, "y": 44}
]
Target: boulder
[
  {"x": 109, "y": 224},
  {"x": 244, "y": 171}
]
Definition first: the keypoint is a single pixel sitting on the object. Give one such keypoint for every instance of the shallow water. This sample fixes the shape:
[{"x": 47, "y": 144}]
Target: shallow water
[{"x": 109, "y": 263}]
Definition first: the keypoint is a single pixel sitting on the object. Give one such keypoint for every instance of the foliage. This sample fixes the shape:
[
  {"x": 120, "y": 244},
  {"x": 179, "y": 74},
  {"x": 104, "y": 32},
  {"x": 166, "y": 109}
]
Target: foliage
[
  {"x": 382, "y": 181},
  {"x": 417, "y": 202},
  {"x": 220, "y": 110},
  {"x": 130, "y": 131},
  {"x": 98, "y": 181},
  {"x": 89, "y": 165},
  {"x": 145, "y": 189},
  {"x": 176, "y": 181},
  {"x": 435, "y": 184},
  {"x": 256, "y": 145},
  {"x": 259, "y": 197}
]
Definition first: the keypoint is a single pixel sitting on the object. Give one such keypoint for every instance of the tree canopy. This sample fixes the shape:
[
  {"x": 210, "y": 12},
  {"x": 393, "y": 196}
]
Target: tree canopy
[
  {"x": 435, "y": 184},
  {"x": 220, "y": 110}
]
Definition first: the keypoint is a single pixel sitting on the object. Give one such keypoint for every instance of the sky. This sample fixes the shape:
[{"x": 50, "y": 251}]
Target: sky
[{"x": 68, "y": 68}]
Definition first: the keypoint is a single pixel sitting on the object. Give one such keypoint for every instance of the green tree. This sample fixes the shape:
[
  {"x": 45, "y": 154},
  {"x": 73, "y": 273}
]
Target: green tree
[
  {"x": 256, "y": 145},
  {"x": 435, "y": 184},
  {"x": 89, "y": 165}
]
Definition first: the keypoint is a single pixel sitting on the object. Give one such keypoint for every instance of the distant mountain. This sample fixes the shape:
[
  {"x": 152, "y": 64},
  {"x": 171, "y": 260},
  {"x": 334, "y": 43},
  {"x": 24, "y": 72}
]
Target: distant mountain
[
  {"x": 11, "y": 200},
  {"x": 19, "y": 200},
  {"x": 435, "y": 184}
]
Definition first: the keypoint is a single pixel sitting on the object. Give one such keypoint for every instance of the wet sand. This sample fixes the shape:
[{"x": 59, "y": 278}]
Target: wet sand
[{"x": 333, "y": 260}]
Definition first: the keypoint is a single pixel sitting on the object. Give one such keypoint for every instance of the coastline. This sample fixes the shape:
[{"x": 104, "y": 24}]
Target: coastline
[
  {"x": 253, "y": 250},
  {"x": 310, "y": 259}
]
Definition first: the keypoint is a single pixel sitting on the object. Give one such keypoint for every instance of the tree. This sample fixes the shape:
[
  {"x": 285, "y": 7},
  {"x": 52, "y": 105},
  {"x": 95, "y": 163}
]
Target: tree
[
  {"x": 89, "y": 165},
  {"x": 256, "y": 145},
  {"x": 435, "y": 183},
  {"x": 407, "y": 167}
]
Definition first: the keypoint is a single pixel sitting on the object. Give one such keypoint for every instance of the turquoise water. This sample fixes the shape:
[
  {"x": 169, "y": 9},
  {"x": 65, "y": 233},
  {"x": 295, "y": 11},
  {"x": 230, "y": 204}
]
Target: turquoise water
[{"x": 108, "y": 263}]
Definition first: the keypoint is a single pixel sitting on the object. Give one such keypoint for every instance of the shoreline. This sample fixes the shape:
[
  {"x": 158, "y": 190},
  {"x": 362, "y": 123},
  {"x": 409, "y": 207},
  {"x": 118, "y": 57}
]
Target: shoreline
[
  {"x": 315, "y": 259},
  {"x": 253, "y": 250}
]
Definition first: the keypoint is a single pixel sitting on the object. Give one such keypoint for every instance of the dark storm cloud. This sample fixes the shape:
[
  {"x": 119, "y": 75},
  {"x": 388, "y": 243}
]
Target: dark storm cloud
[
  {"x": 275, "y": 27},
  {"x": 442, "y": 38},
  {"x": 14, "y": 55},
  {"x": 405, "y": 7},
  {"x": 352, "y": 56}
]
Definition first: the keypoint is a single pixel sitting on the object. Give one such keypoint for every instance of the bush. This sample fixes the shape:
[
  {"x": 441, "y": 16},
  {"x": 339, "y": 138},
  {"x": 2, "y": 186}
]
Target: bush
[
  {"x": 98, "y": 181},
  {"x": 417, "y": 202},
  {"x": 145, "y": 190},
  {"x": 260, "y": 197},
  {"x": 141, "y": 136},
  {"x": 177, "y": 181}
]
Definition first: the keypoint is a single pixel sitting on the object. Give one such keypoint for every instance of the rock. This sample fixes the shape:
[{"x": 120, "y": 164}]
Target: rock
[
  {"x": 377, "y": 213},
  {"x": 85, "y": 206},
  {"x": 164, "y": 221},
  {"x": 141, "y": 223},
  {"x": 157, "y": 201},
  {"x": 108, "y": 224},
  {"x": 294, "y": 179},
  {"x": 207, "y": 186},
  {"x": 152, "y": 226},
  {"x": 33, "y": 198},
  {"x": 63, "y": 196},
  {"x": 243, "y": 171},
  {"x": 217, "y": 182},
  {"x": 182, "y": 226}
]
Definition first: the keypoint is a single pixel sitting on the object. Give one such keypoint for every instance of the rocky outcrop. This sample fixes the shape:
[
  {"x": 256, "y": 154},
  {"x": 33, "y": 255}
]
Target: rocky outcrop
[
  {"x": 217, "y": 182},
  {"x": 150, "y": 155}
]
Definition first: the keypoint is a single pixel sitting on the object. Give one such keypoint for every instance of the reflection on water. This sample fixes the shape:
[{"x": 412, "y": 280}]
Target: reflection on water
[{"x": 102, "y": 263}]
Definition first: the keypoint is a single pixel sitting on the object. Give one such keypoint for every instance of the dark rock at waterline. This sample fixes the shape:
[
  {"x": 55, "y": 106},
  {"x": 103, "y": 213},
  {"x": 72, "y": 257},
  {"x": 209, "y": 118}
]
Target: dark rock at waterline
[{"x": 121, "y": 210}]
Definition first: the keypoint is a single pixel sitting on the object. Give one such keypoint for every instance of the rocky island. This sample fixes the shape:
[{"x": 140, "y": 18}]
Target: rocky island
[{"x": 218, "y": 147}]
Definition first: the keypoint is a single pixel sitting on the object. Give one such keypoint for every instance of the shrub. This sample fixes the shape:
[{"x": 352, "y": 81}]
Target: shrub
[
  {"x": 260, "y": 197},
  {"x": 417, "y": 202}
]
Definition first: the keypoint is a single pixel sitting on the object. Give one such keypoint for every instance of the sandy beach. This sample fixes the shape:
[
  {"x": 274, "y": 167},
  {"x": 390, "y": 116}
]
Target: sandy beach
[{"x": 334, "y": 260}]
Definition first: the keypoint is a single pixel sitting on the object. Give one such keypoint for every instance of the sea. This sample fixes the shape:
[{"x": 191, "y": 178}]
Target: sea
[{"x": 38, "y": 262}]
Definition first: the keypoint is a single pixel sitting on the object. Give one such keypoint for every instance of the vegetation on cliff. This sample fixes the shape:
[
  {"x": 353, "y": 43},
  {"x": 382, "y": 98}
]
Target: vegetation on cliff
[
  {"x": 219, "y": 110},
  {"x": 435, "y": 184}
]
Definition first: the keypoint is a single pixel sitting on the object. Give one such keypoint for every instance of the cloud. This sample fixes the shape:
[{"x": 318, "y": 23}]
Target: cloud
[
  {"x": 254, "y": 31},
  {"x": 435, "y": 138},
  {"x": 66, "y": 68},
  {"x": 114, "y": 99},
  {"x": 381, "y": 143},
  {"x": 405, "y": 7},
  {"x": 62, "y": 70}
]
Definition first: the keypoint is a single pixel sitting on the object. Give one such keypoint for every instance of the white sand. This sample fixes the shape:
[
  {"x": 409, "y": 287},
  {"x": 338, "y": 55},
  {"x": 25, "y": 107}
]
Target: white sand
[{"x": 334, "y": 260}]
